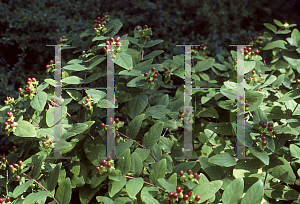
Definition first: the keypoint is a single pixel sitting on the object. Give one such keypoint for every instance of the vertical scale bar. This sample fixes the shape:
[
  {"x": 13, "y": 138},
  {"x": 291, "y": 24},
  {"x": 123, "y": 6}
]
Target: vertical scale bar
[
  {"x": 188, "y": 145},
  {"x": 240, "y": 147},
  {"x": 57, "y": 110}
]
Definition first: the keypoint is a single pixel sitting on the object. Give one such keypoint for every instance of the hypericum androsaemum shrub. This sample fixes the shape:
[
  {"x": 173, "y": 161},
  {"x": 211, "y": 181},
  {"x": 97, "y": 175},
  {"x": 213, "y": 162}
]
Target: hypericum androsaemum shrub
[{"x": 149, "y": 120}]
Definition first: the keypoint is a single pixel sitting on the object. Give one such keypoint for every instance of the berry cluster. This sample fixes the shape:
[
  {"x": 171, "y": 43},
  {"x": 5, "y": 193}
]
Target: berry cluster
[
  {"x": 270, "y": 131},
  {"x": 29, "y": 90},
  {"x": 62, "y": 40},
  {"x": 256, "y": 40},
  {"x": 144, "y": 33},
  {"x": 199, "y": 50},
  {"x": 47, "y": 144},
  {"x": 15, "y": 168},
  {"x": 194, "y": 177},
  {"x": 7, "y": 199},
  {"x": 241, "y": 103},
  {"x": 116, "y": 124},
  {"x": 150, "y": 78},
  {"x": 99, "y": 24},
  {"x": 167, "y": 75},
  {"x": 105, "y": 165},
  {"x": 187, "y": 115},
  {"x": 9, "y": 125},
  {"x": 9, "y": 101},
  {"x": 51, "y": 66},
  {"x": 116, "y": 42},
  {"x": 252, "y": 79},
  {"x": 88, "y": 102},
  {"x": 173, "y": 197}
]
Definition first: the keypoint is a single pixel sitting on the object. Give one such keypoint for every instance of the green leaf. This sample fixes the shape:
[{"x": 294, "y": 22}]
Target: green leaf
[
  {"x": 278, "y": 23},
  {"x": 52, "y": 82},
  {"x": 282, "y": 192},
  {"x": 295, "y": 36},
  {"x": 233, "y": 192},
  {"x": 86, "y": 194},
  {"x": 72, "y": 80},
  {"x": 39, "y": 196},
  {"x": 223, "y": 159},
  {"x": 116, "y": 186},
  {"x": 153, "y": 54},
  {"x": 281, "y": 169},
  {"x": 94, "y": 149},
  {"x": 220, "y": 128},
  {"x": 52, "y": 119},
  {"x": 271, "y": 27},
  {"x": 124, "y": 60},
  {"x": 260, "y": 154},
  {"x": 39, "y": 101},
  {"x": 137, "y": 105},
  {"x": 87, "y": 33},
  {"x": 124, "y": 164},
  {"x": 158, "y": 171},
  {"x": 94, "y": 77},
  {"x": 136, "y": 164},
  {"x": 25, "y": 129},
  {"x": 274, "y": 44},
  {"x": 153, "y": 135},
  {"x": 131, "y": 72},
  {"x": 22, "y": 188},
  {"x": 105, "y": 200},
  {"x": 95, "y": 61},
  {"x": 115, "y": 25},
  {"x": 74, "y": 94},
  {"x": 166, "y": 185},
  {"x": 295, "y": 151},
  {"x": 134, "y": 186},
  {"x": 152, "y": 43},
  {"x": 254, "y": 194},
  {"x": 204, "y": 65},
  {"x": 258, "y": 116},
  {"x": 52, "y": 177},
  {"x": 136, "y": 82},
  {"x": 74, "y": 67},
  {"x": 291, "y": 95},
  {"x": 291, "y": 57},
  {"x": 212, "y": 170},
  {"x": 99, "y": 38},
  {"x": 38, "y": 165},
  {"x": 134, "y": 126},
  {"x": 64, "y": 191},
  {"x": 208, "y": 190},
  {"x": 249, "y": 65},
  {"x": 78, "y": 128}
]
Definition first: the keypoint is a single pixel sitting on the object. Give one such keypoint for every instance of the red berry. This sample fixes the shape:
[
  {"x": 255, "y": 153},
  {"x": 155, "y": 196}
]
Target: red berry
[
  {"x": 181, "y": 173},
  {"x": 274, "y": 132},
  {"x": 102, "y": 125},
  {"x": 118, "y": 39},
  {"x": 5, "y": 123},
  {"x": 20, "y": 162},
  {"x": 153, "y": 69},
  {"x": 11, "y": 166},
  {"x": 264, "y": 138},
  {"x": 50, "y": 142},
  {"x": 104, "y": 49},
  {"x": 145, "y": 26},
  {"x": 175, "y": 195},
  {"x": 247, "y": 105},
  {"x": 195, "y": 175},
  {"x": 11, "y": 125},
  {"x": 20, "y": 89},
  {"x": 252, "y": 53},
  {"x": 145, "y": 74},
  {"x": 110, "y": 121},
  {"x": 156, "y": 72},
  {"x": 108, "y": 158},
  {"x": 98, "y": 168},
  {"x": 264, "y": 125},
  {"x": 270, "y": 128},
  {"x": 1, "y": 200},
  {"x": 118, "y": 135},
  {"x": 101, "y": 167},
  {"x": 48, "y": 137},
  {"x": 168, "y": 202},
  {"x": 111, "y": 39},
  {"x": 83, "y": 52},
  {"x": 107, "y": 43},
  {"x": 88, "y": 96},
  {"x": 180, "y": 112},
  {"x": 108, "y": 165},
  {"x": 137, "y": 28},
  {"x": 87, "y": 100},
  {"x": 44, "y": 143},
  {"x": 178, "y": 189},
  {"x": 298, "y": 81},
  {"x": 4, "y": 159},
  {"x": 150, "y": 80},
  {"x": 16, "y": 165},
  {"x": 259, "y": 34},
  {"x": 29, "y": 79},
  {"x": 264, "y": 143},
  {"x": 189, "y": 193},
  {"x": 189, "y": 171},
  {"x": 245, "y": 48},
  {"x": 104, "y": 162},
  {"x": 179, "y": 116},
  {"x": 155, "y": 76},
  {"x": 197, "y": 198},
  {"x": 199, "y": 176},
  {"x": 261, "y": 123},
  {"x": 256, "y": 52},
  {"x": 7, "y": 199},
  {"x": 22, "y": 95},
  {"x": 246, "y": 52},
  {"x": 109, "y": 128},
  {"x": 18, "y": 177},
  {"x": 117, "y": 120},
  {"x": 36, "y": 202},
  {"x": 170, "y": 194},
  {"x": 185, "y": 197},
  {"x": 11, "y": 121},
  {"x": 270, "y": 124}
]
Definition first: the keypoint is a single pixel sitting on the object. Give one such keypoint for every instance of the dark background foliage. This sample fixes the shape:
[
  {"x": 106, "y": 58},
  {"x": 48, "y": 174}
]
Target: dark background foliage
[{"x": 26, "y": 27}]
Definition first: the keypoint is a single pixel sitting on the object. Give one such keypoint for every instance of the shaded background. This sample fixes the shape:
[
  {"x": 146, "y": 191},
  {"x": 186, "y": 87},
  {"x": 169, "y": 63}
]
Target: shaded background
[{"x": 27, "y": 26}]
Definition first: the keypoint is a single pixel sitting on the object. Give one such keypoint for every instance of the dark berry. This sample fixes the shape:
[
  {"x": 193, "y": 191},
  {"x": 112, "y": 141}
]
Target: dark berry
[
  {"x": 16, "y": 165},
  {"x": 4, "y": 159},
  {"x": 111, "y": 39},
  {"x": 197, "y": 198},
  {"x": 108, "y": 158},
  {"x": 179, "y": 116},
  {"x": 155, "y": 76},
  {"x": 11, "y": 166},
  {"x": 264, "y": 143},
  {"x": 270, "y": 124},
  {"x": 260, "y": 75},
  {"x": 261, "y": 123},
  {"x": 101, "y": 167},
  {"x": 274, "y": 132},
  {"x": 264, "y": 125},
  {"x": 170, "y": 194},
  {"x": 199, "y": 176},
  {"x": 168, "y": 202},
  {"x": 175, "y": 195},
  {"x": 20, "y": 162},
  {"x": 102, "y": 125},
  {"x": 264, "y": 138},
  {"x": 189, "y": 171},
  {"x": 150, "y": 80},
  {"x": 118, "y": 135},
  {"x": 195, "y": 175},
  {"x": 98, "y": 168},
  {"x": 270, "y": 128},
  {"x": 156, "y": 72},
  {"x": 108, "y": 165},
  {"x": 247, "y": 105},
  {"x": 137, "y": 28},
  {"x": 48, "y": 137},
  {"x": 189, "y": 193},
  {"x": 145, "y": 74},
  {"x": 253, "y": 71},
  {"x": 178, "y": 189},
  {"x": 153, "y": 69},
  {"x": 44, "y": 143},
  {"x": 185, "y": 197},
  {"x": 252, "y": 53},
  {"x": 246, "y": 52},
  {"x": 180, "y": 112},
  {"x": 117, "y": 120},
  {"x": 181, "y": 173}
]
